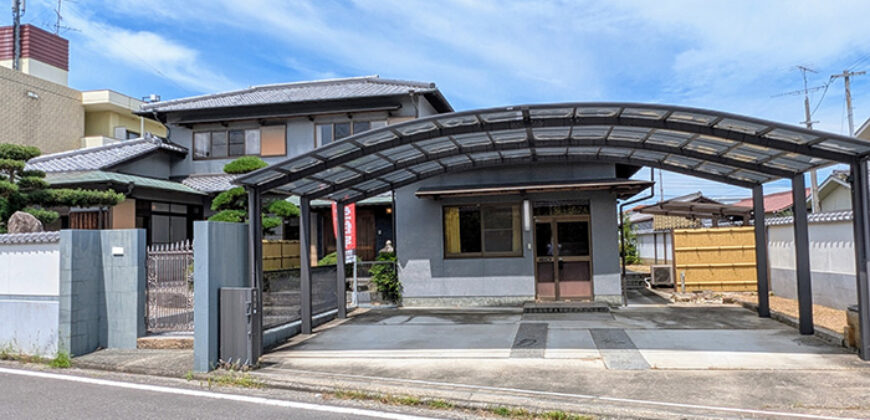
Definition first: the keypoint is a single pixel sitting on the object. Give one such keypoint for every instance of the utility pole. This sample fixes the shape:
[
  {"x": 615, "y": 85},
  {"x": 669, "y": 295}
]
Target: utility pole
[
  {"x": 814, "y": 178},
  {"x": 17, "y": 11},
  {"x": 846, "y": 75}
]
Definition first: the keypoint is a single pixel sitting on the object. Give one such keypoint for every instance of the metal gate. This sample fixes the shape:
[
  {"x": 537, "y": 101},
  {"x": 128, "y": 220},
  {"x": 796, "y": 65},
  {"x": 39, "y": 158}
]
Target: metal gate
[{"x": 169, "y": 291}]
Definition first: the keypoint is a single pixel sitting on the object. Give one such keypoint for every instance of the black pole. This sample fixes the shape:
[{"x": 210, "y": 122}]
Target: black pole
[
  {"x": 861, "y": 224},
  {"x": 762, "y": 265},
  {"x": 305, "y": 262},
  {"x": 255, "y": 256},
  {"x": 802, "y": 255},
  {"x": 340, "y": 280}
]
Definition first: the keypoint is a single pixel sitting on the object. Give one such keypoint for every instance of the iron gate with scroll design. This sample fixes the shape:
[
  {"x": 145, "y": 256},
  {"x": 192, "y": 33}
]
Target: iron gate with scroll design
[{"x": 169, "y": 291}]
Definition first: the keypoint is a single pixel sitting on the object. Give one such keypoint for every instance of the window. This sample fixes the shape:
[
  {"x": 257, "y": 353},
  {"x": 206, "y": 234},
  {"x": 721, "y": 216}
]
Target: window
[
  {"x": 272, "y": 141},
  {"x": 327, "y": 133},
  {"x": 263, "y": 141},
  {"x": 482, "y": 231},
  {"x": 166, "y": 222}
]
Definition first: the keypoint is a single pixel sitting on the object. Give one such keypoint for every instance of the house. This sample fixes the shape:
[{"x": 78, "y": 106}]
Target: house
[
  {"x": 38, "y": 93},
  {"x": 775, "y": 204},
  {"x": 835, "y": 193}
]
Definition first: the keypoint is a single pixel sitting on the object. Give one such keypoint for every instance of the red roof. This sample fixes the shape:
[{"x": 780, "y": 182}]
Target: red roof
[{"x": 772, "y": 202}]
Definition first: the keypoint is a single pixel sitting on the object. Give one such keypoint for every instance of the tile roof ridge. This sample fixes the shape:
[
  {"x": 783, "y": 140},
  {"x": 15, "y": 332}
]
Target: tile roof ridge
[{"x": 88, "y": 150}]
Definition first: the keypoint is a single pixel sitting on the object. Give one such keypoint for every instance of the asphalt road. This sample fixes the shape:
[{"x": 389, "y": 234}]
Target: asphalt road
[{"x": 43, "y": 395}]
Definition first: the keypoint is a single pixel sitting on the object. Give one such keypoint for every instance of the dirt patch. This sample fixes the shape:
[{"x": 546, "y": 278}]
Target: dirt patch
[{"x": 823, "y": 316}]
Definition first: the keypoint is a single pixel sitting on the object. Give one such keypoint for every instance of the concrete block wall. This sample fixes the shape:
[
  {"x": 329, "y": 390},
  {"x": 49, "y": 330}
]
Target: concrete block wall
[
  {"x": 102, "y": 289},
  {"x": 220, "y": 259},
  {"x": 29, "y": 293}
]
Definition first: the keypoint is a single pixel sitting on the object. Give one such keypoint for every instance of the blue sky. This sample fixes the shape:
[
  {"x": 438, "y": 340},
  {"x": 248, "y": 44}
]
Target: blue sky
[{"x": 731, "y": 55}]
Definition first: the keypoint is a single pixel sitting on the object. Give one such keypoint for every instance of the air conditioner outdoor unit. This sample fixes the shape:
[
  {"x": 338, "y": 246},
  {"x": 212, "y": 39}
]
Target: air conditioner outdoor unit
[{"x": 662, "y": 275}]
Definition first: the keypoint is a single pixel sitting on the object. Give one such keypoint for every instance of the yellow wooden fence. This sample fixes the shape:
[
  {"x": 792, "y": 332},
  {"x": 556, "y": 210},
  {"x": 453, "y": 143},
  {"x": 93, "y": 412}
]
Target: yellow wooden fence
[
  {"x": 718, "y": 259},
  {"x": 280, "y": 255}
]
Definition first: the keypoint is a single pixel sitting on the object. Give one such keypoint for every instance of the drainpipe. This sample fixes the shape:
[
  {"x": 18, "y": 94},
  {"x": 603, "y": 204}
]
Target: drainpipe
[{"x": 652, "y": 193}]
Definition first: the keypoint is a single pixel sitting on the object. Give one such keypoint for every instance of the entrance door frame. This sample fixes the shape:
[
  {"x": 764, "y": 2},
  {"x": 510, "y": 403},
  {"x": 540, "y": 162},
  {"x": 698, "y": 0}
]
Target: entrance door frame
[{"x": 554, "y": 220}]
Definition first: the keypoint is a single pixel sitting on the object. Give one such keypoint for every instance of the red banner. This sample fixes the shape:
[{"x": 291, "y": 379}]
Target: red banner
[{"x": 349, "y": 225}]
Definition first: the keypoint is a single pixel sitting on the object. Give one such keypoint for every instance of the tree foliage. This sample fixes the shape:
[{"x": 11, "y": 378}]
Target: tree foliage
[
  {"x": 631, "y": 255},
  {"x": 27, "y": 190},
  {"x": 232, "y": 204},
  {"x": 386, "y": 279}
]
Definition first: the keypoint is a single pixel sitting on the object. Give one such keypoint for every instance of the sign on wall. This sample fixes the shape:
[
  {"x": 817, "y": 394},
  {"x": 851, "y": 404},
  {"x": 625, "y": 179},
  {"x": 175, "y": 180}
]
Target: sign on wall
[{"x": 349, "y": 228}]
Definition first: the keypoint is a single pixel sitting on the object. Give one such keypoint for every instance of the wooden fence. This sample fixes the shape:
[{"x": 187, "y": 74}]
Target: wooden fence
[
  {"x": 280, "y": 255},
  {"x": 718, "y": 259}
]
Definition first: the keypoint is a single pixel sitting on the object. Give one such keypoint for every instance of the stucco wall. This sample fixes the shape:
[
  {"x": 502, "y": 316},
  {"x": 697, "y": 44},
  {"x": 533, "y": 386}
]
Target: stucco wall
[
  {"x": 428, "y": 278},
  {"x": 51, "y": 118},
  {"x": 29, "y": 294},
  {"x": 832, "y": 263}
]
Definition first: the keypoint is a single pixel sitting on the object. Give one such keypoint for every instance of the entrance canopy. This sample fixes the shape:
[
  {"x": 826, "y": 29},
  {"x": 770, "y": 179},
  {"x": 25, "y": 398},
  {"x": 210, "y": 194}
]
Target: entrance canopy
[{"x": 723, "y": 147}]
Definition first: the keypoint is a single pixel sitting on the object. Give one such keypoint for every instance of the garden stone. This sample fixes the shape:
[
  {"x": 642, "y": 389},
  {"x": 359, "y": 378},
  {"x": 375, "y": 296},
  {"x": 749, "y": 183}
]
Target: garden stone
[{"x": 22, "y": 222}]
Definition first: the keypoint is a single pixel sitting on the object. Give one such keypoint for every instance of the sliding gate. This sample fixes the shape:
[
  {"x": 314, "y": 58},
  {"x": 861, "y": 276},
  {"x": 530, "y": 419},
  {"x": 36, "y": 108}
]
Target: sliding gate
[{"x": 169, "y": 288}]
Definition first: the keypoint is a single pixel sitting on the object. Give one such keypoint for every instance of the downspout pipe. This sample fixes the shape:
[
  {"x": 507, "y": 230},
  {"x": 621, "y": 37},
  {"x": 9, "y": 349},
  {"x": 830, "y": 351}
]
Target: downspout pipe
[{"x": 652, "y": 194}]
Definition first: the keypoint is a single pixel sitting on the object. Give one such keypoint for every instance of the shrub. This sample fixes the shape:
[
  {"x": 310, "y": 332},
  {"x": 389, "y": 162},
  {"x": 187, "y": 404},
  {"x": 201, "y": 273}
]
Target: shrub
[
  {"x": 386, "y": 279},
  {"x": 244, "y": 165}
]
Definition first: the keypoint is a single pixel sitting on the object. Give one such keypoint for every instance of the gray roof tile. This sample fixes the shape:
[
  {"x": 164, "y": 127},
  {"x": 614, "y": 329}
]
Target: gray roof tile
[
  {"x": 101, "y": 157},
  {"x": 318, "y": 90},
  {"x": 210, "y": 183},
  {"x": 29, "y": 238},
  {"x": 827, "y": 217}
]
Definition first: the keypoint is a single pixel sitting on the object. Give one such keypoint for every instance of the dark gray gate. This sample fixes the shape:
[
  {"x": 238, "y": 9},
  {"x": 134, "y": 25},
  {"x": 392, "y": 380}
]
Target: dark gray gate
[{"x": 169, "y": 290}]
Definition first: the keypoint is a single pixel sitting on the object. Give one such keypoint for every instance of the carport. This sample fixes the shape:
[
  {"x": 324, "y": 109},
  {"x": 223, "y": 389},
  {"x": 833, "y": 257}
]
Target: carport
[{"x": 732, "y": 149}]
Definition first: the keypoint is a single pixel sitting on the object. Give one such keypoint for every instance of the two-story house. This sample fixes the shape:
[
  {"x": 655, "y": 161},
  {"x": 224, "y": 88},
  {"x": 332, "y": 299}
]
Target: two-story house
[{"x": 184, "y": 172}]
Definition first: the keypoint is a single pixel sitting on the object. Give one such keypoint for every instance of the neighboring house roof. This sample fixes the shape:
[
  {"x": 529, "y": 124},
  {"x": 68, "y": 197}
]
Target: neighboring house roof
[
  {"x": 773, "y": 202},
  {"x": 102, "y": 177},
  {"x": 210, "y": 183},
  {"x": 101, "y": 157},
  {"x": 311, "y": 91}
]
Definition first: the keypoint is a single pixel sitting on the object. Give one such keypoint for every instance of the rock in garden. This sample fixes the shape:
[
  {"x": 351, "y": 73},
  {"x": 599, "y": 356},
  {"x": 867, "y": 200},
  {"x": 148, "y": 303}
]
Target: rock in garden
[{"x": 22, "y": 222}]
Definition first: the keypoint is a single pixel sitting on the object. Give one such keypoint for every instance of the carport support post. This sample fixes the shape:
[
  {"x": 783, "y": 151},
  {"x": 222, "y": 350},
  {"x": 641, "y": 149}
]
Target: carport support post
[
  {"x": 861, "y": 224},
  {"x": 802, "y": 255},
  {"x": 761, "y": 262},
  {"x": 340, "y": 281},
  {"x": 255, "y": 255},
  {"x": 305, "y": 262}
]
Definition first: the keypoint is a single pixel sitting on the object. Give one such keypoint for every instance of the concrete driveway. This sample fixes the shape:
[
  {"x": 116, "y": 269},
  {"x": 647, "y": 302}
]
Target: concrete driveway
[{"x": 637, "y": 337}]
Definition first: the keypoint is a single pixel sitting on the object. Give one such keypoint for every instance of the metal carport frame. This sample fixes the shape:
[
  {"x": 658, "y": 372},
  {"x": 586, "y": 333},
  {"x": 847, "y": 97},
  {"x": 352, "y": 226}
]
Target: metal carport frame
[{"x": 723, "y": 147}]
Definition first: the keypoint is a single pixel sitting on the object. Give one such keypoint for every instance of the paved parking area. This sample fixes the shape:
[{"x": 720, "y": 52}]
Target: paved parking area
[{"x": 642, "y": 337}]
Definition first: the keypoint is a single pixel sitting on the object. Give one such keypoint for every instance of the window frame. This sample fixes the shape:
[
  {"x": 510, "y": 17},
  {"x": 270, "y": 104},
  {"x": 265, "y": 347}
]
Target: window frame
[
  {"x": 350, "y": 122},
  {"x": 483, "y": 252},
  {"x": 226, "y": 132}
]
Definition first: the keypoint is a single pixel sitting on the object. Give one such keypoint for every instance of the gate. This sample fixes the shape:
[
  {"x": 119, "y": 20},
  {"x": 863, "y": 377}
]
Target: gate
[{"x": 169, "y": 290}]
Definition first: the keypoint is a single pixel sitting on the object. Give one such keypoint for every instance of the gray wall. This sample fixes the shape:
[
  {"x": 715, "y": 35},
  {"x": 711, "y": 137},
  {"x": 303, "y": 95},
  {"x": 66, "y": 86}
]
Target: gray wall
[
  {"x": 102, "y": 289},
  {"x": 156, "y": 165},
  {"x": 428, "y": 278},
  {"x": 220, "y": 259}
]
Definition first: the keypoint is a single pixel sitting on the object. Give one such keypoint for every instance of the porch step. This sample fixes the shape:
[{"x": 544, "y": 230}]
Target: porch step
[
  {"x": 564, "y": 307},
  {"x": 166, "y": 341}
]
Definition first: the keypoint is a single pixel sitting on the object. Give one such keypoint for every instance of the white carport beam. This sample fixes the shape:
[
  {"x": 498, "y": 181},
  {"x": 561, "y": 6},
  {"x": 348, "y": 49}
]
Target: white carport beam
[{"x": 802, "y": 255}]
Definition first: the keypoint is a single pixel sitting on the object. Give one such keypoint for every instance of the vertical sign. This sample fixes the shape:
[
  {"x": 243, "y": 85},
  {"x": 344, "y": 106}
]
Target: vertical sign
[{"x": 349, "y": 228}]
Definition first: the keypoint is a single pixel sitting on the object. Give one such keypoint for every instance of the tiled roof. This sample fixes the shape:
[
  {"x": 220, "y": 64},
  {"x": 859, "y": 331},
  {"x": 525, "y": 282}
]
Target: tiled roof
[
  {"x": 772, "y": 202},
  {"x": 100, "y": 157},
  {"x": 85, "y": 177},
  {"x": 318, "y": 90},
  {"x": 29, "y": 238},
  {"x": 210, "y": 183},
  {"x": 827, "y": 217}
]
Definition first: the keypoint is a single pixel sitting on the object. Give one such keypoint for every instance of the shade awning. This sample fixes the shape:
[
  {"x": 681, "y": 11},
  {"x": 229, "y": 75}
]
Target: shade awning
[
  {"x": 624, "y": 188},
  {"x": 695, "y": 210},
  {"x": 733, "y": 149}
]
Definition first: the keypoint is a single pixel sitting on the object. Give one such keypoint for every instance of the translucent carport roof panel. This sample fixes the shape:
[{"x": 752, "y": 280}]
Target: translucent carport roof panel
[{"x": 711, "y": 144}]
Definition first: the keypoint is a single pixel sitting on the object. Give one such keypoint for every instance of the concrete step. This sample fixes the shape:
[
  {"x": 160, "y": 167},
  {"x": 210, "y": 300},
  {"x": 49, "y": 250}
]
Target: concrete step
[
  {"x": 564, "y": 307},
  {"x": 166, "y": 341}
]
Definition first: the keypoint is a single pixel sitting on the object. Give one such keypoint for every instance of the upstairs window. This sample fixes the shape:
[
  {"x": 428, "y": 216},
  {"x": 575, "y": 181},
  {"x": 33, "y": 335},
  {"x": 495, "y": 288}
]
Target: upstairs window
[
  {"x": 264, "y": 141},
  {"x": 328, "y": 133}
]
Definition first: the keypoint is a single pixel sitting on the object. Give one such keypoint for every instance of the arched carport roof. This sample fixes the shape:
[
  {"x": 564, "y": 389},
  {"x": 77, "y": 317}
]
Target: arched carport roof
[{"x": 724, "y": 147}]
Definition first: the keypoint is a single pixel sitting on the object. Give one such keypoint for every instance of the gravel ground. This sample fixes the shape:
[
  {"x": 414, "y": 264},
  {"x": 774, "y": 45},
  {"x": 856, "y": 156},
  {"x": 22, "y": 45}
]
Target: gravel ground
[{"x": 823, "y": 316}]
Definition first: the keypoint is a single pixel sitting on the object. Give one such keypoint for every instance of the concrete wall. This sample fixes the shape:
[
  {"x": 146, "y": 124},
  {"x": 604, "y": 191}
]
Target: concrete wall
[
  {"x": 220, "y": 259},
  {"x": 29, "y": 103},
  {"x": 430, "y": 279},
  {"x": 102, "y": 289},
  {"x": 832, "y": 263},
  {"x": 29, "y": 296}
]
